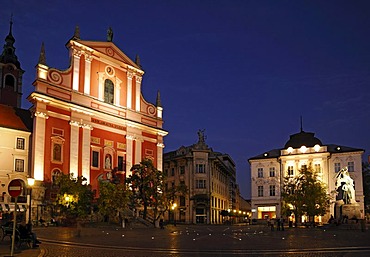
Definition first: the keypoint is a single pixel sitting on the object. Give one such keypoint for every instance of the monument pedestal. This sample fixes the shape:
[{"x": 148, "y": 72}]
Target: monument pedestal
[{"x": 350, "y": 210}]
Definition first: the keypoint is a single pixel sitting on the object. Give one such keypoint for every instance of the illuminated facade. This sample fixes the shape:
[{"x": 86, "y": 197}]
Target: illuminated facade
[
  {"x": 269, "y": 169},
  {"x": 210, "y": 178},
  {"x": 92, "y": 118},
  {"x": 15, "y": 126}
]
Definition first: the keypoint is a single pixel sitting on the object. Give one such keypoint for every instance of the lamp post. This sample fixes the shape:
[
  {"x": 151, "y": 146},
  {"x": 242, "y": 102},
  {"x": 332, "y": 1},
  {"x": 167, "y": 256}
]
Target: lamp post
[
  {"x": 30, "y": 182},
  {"x": 174, "y": 215}
]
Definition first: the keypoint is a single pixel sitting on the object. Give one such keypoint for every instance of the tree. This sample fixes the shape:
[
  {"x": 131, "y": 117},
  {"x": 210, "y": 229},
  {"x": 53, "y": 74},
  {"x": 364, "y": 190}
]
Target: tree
[
  {"x": 366, "y": 185},
  {"x": 74, "y": 196},
  {"x": 306, "y": 193},
  {"x": 113, "y": 198},
  {"x": 149, "y": 189}
]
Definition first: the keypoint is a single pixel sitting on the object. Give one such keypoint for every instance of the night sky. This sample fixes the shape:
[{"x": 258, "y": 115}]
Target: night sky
[{"x": 245, "y": 71}]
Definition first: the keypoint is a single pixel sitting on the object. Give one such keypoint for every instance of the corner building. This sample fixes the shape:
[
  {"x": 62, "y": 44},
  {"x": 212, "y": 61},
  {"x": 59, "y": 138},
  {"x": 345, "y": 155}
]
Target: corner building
[
  {"x": 269, "y": 169},
  {"x": 92, "y": 118},
  {"x": 210, "y": 178}
]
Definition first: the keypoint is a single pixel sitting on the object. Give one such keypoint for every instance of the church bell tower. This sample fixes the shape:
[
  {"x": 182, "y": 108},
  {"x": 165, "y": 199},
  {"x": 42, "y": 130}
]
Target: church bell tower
[{"x": 10, "y": 73}]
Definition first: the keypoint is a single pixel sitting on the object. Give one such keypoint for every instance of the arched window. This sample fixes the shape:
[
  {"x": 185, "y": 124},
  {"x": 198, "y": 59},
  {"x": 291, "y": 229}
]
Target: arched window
[
  {"x": 9, "y": 81},
  {"x": 108, "y": 91}
]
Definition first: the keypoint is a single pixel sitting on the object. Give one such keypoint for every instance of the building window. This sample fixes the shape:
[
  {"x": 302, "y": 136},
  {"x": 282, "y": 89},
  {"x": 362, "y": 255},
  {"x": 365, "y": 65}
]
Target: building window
[
  {"x": 182, "y": 169},
  {"x": 57, "y": 152},
  {"x": 19, "y": 165},
  {"x": 10, "y": 82},
  {"x": 200, "y": 183},
  {"x": 121, "y": 163},
  {"x": 108, "y": 91},
  {"x": 272, "y": 171},
  {"x": 272, "y": 190},
  {"x": 303, "y": 167},
  {"x": 260, "y": 191},
  {"x": 317, "y": 168},
  {"x": 290, "y": 171},
  {"x": 182, "y": 201},
  {"x": 337, "y": 167},
  {"x": 351, "y": 166},
  {"x": 172, "y": 172},
  {"x": 200, "y": 168},
  {"x": 260, "y": 172},
  {"x": 95, "y": 159},
  {"x": 20, "y": 143}
]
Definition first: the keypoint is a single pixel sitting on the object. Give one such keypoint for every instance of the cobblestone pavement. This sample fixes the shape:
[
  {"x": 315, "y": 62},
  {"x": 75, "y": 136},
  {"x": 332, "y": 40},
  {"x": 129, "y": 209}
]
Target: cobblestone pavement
[{"x": 194, "y": 241}]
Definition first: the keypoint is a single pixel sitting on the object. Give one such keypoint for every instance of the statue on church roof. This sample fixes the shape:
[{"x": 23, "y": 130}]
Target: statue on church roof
[{"x": 110, "y": 34}]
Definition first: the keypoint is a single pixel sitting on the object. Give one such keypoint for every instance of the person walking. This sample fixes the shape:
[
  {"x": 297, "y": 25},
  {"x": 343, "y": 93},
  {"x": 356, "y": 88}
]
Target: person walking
[{"x": 282, "y": 223}]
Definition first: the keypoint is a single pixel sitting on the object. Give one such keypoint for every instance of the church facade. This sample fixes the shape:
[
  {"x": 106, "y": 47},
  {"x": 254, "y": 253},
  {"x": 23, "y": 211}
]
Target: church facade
[
  {"x": 92, "y": 118},
  {"x": 303, "y": 149}
]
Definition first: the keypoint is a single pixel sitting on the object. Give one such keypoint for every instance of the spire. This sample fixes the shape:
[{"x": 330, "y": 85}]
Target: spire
[
  {"x": 8, "y": 54},
  {"x": 301, "y": 124},
  {"x": 77, "y": 33},
  {"x": 158, "y": 102},
  {"x": 42, "y": 57},
  {"x": 137, "y": 60}
]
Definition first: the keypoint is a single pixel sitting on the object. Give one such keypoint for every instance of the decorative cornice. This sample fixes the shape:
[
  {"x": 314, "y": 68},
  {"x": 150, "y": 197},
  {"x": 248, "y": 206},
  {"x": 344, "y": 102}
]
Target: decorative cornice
[
  {"x": 74, "y": 123},
  {"x": 160, "y": 145},
  {"x": 42, "y": 115}
]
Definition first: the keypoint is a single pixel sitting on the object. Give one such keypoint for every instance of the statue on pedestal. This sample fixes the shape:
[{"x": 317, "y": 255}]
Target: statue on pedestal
[{"x": 345, "y": 187}]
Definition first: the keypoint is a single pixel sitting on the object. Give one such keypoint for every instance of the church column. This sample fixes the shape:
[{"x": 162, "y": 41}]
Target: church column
[
  {"x": 73, "y": 155},
  {"x": 86, "y": 139},
  {"x": 39, "y": 145},
  {"x": 88, "y": 59},
  {"x": 76, "y": 68},
  {"x": 129, "y": 154},
  {"x": 160, "y": 147},
  {"x": 117, "y": 94},
  {"x": 138, "y": 94},
  {"x": 129, "y": 89},
  {"x": 138, "y": 151}
]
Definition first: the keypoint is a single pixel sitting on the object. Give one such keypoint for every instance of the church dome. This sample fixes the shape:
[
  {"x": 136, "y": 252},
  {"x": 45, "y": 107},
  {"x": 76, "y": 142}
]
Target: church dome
[{"x": 307, "y": 139}]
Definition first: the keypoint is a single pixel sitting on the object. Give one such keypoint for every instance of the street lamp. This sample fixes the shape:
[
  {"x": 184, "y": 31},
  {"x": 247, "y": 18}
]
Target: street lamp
[
  {"x": 174, "y": 216},
  {"x": 30, "y": 182}
]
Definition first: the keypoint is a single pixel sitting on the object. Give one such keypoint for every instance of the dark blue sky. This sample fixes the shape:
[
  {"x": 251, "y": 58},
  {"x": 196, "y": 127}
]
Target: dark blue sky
[{"x": 245, "y": 71}]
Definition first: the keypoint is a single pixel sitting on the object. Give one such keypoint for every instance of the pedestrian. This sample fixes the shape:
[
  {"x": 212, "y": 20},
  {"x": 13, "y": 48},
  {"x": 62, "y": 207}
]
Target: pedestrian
[
  {"x": 272, "y": 224},
  {"x": 278, "y": 224},
  {"x": 282, "y": 223}
]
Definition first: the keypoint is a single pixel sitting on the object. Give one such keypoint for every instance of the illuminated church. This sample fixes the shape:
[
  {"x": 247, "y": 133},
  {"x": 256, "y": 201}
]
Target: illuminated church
[
  {"x": 92, "y": 118},
  {"x": 269, "y": 169}
]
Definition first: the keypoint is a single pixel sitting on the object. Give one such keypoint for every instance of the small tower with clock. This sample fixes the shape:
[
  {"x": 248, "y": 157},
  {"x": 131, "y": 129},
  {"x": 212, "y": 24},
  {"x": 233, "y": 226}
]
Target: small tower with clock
[{"x": 10, "y": 73}]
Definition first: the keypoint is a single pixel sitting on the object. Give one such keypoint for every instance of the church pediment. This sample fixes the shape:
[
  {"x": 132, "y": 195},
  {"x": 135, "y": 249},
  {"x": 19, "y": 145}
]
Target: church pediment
[{"x": 108, "y": 49}]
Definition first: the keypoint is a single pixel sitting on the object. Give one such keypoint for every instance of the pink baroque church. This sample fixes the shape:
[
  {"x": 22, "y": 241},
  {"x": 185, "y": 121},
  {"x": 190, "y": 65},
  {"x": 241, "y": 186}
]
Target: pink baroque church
[{"x": 92, "y": 118}]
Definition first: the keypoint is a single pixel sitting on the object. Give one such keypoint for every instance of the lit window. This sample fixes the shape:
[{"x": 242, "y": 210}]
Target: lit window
[
  {"x": 290, "y": 149},
  {"x": 108, "y": 91},
  {"x": 317, "y": 168},
  {"x": 19, "y": 165},
  {"x": 272, "y": 171},
  {"x": 260, "y": 191},
  {"x": 290, "y": 171},
  {"x": 337, "y": 167},
  {"x": 20, "y": 143},
  {"x": 303, "y": 149},
  {"x": 272, "y": 190},
  {"x": 351, "y": 166},
  {"x": 260, "y": 172}
]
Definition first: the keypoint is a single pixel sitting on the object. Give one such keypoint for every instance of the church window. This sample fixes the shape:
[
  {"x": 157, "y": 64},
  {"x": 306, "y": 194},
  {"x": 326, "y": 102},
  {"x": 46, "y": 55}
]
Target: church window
[
  {"x": 57, "y": 152},
  {"x": 121, "y": 163},
  {"x": 9, "y": 81},
  {"x": 95, "y": 159},
  {"x": 108, "y": 91}
]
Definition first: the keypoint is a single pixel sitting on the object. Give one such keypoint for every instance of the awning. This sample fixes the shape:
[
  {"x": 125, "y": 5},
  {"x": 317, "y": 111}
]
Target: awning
[{"x": 11, "y": 207}]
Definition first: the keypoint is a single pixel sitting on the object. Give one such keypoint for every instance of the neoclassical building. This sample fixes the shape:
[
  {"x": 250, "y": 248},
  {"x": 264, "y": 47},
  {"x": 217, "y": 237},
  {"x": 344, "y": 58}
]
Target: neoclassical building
[
  {"x": 210, "y": 178},
  {"x": 269, "y": 169},
  {"x": 92, "y": 117}
]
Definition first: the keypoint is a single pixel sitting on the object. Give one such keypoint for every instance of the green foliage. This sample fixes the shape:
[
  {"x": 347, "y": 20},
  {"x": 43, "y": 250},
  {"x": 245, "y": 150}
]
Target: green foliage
[
  {"x": 306, "y": 193},
  {"x": 74, "y": 196},
  {"x": 113, "y": 198},
  {"x": 366, "y": 185},
  {"x": 149, "y": 190}
]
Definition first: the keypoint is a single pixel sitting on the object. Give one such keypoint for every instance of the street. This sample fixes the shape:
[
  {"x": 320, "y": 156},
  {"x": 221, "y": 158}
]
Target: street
[{"x": 203, "y": 240}]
